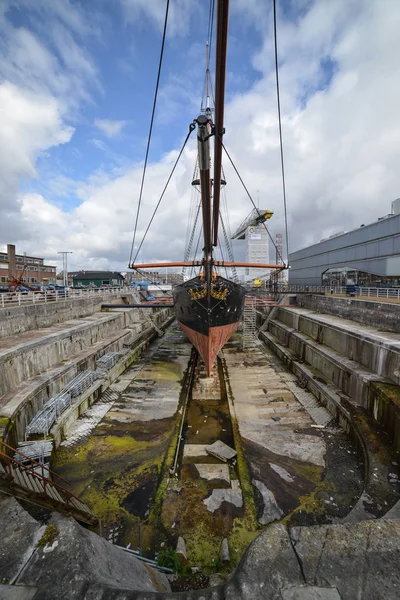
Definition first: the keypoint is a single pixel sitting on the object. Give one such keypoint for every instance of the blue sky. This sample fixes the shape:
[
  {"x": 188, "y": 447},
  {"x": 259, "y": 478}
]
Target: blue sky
[{"x": 76, "y": 88}]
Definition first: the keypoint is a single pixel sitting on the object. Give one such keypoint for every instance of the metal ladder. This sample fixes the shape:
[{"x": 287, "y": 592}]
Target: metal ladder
[{"x": 249, "y": 322}]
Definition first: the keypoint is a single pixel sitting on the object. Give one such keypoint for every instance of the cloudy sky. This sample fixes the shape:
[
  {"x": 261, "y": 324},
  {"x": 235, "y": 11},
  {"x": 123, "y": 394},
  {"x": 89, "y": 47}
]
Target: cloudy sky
[{"x": 76, "y": 89}]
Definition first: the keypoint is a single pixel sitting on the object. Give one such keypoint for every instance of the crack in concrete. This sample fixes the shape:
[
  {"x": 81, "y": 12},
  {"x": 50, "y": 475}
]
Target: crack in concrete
[
  {"x": 366, "y": 564},
  {"x": 320, "y": 558},
  {"x": 299, "y": 560}
]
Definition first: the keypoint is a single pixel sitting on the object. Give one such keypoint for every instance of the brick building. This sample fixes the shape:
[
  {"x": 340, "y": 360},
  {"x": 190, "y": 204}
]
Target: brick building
[{"x": 12, "y": 265}]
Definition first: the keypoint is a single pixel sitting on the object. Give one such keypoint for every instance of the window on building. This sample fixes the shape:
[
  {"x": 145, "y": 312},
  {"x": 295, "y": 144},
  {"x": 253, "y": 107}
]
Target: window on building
[
  {"x": 106, "y": 282},
  {"x": 3, "y": 257},
  {"x": 19, "y": 259},
  {"x": 3, "y": 279},
  {"x": 4, "y": 266}
]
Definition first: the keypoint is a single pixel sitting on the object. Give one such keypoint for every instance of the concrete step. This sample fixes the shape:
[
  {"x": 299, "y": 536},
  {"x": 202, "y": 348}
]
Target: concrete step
[
  {"x": 348, "y": 375},
  {"x": 374, "y": 349},
  {"x": 382, "y": 488},
  {"x": 22, "y": 402},
  {"x": 375, "y": 393},
  {"x": 31, "y": 353}
]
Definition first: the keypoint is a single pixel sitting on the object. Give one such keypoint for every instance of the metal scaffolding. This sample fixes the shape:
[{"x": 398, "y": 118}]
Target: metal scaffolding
[{"x": 249, "y": 322}]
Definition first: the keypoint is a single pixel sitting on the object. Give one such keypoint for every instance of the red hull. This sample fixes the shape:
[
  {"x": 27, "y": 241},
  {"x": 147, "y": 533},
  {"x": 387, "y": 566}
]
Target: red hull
[{"x": 209, "y": 345}]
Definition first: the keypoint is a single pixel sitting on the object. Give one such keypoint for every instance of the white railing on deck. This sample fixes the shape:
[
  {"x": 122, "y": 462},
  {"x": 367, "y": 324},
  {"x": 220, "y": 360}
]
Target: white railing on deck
[
  {"x": 369, "y": 292},
  {"x": 9, "y": 299}
]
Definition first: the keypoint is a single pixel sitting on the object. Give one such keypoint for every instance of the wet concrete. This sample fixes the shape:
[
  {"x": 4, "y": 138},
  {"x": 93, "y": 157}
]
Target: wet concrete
[
  {"x": 300, "y": 472},
  {"x": 117, "y": 470},
  {"x": 289, "y": 467}
]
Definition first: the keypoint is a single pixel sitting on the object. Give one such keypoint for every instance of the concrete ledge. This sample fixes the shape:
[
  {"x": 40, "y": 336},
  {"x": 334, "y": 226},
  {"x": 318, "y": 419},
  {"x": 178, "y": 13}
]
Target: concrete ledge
[
  {"x": 28, "y": 317},
  {"x": 377, "y": 451},
  {"x": 382, "y": 315},
  {"x": 348, "y": 375},
  {"x": 375, "y": 350},
  {"x": 19, "y": 407},
  {"x": 27, "y": 357}
]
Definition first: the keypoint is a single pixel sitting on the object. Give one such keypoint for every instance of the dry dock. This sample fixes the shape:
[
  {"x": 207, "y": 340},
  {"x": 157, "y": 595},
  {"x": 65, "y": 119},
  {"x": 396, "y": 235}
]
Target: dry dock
[{"x": 308, "y": 414}]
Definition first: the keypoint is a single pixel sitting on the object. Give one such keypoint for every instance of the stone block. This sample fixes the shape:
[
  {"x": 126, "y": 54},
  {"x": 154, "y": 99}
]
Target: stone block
[
  {"x": 221, "y": 451},
  {"x": 213, "y": 472}
]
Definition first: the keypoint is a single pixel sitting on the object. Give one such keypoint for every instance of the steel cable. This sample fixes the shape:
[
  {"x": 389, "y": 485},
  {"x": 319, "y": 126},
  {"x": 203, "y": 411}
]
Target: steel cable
[{"x": 151, "y": 129}]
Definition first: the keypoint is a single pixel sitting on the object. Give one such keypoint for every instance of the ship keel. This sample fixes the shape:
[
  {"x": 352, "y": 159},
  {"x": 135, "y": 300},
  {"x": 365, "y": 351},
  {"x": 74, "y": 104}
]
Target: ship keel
[{"x": 209, "y": 345}]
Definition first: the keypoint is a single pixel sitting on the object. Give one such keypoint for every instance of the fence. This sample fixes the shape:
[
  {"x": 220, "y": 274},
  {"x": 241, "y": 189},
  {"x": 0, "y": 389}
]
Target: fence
[
  {"x": 368, "y": 292},
  {"x": 8, "y": 299}
]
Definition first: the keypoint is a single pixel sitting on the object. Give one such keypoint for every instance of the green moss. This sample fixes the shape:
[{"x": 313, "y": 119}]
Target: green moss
[
  {"x": 49, "y": 536},
  {"x": 166, "y": 370},
  {"x": 388, "y": 392}
]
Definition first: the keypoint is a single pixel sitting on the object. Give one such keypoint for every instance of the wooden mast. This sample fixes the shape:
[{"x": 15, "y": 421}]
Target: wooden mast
[{"x": 220, "y": 71}]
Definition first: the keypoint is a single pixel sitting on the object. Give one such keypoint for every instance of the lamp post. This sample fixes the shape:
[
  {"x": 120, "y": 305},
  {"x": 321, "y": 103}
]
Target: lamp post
[{"x": 65, "y": 266}]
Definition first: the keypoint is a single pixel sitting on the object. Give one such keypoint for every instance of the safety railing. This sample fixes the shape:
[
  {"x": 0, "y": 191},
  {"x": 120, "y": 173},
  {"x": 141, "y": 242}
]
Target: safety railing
[
  {"x": 34, "y": 469},
  {"x": 34, "y": 463},
  {"x": 361, "y": 291},
  {"x": 8, "y": 299}
]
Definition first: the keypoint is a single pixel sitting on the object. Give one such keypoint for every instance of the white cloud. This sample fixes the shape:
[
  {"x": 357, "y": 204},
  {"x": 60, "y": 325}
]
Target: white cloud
[
  {"x": 109, "y": 127},
  {"x": 31, "y": 123},
  {"x": 44, "y": 75},
  {"x": 180, "y": 12},
  {"x": 340, "y": 141}
]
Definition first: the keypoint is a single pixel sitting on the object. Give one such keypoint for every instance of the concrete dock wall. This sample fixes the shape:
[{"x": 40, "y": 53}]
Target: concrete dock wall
[
  {"x": 382, "y": 315},
  {"x": 343, "y": 361},
  {"x": 380, "y": 357},
  {"x": 32, "y": 358},
  {"x": 29, "y": 398},
  {"x": 18, "y": 319}
]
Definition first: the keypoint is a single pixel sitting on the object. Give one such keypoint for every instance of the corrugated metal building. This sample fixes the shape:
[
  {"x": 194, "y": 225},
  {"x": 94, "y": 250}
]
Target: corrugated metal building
[{"x": 369, "y": 255}]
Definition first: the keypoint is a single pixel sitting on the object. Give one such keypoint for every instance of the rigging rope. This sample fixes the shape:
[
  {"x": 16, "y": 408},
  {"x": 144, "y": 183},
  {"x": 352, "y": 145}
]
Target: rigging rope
[
  {"x": 229, "y": 249},
  {"x": 192, "y": 272},
  {"x": 280, "y": 133},
  {"x": 210, "y": 24},
  {"x": 191, "y": 128},
  {"x": 152, "y": 282},
  {"x": 251, "y": 199},
  {"x": 150, "y": 131}
]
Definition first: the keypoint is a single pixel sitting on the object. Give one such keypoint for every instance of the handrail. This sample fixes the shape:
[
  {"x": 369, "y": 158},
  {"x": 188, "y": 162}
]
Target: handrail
[
  {"x": 41, "y": 465},
  {"x": 41, "y": 477}
]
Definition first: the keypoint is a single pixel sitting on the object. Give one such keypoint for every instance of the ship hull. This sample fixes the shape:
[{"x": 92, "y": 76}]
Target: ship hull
[{"x": 208, "y": 321}]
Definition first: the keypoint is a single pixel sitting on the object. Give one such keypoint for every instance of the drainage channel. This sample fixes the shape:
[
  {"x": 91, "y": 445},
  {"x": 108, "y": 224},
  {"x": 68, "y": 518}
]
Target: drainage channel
[{"x": 204, "y": 504}]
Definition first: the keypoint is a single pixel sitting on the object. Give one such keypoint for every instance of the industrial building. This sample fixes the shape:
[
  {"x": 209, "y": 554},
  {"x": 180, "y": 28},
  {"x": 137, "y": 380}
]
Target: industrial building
[
  {"x": 30, "y": 269},
  {"x": 368, "y": 256},
  {"x": 98, "y": 279}
]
